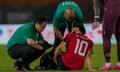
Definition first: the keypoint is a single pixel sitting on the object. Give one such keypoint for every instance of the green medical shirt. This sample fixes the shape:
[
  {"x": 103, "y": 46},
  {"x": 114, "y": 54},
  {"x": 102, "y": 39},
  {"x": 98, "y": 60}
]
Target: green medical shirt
[
  {"x": 24, "y": 32},
  {"x": 59, "y": 19}
]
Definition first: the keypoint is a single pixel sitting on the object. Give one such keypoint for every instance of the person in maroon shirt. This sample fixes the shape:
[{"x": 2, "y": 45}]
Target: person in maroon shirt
[
  {"x": 111, "y": 24},
  {"x": 78, "y": 47}
]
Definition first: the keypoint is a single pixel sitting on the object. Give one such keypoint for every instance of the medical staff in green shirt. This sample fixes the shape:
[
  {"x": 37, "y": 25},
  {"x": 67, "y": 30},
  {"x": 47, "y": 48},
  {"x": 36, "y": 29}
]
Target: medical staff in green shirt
[
  {"x": 67, "y": 13},
  {"x": 27, "y": 43}
]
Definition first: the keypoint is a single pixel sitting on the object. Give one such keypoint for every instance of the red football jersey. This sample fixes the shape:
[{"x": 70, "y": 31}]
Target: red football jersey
[{"x": 76, "y": 50}]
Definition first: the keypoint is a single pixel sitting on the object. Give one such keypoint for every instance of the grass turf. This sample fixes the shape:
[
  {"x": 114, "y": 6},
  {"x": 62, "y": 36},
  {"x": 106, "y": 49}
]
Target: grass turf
[{"x": 6, "y": 63}]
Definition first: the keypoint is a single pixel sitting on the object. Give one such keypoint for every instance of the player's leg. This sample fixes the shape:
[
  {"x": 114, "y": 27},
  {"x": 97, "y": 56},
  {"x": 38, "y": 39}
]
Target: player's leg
[
  {"x": 60, "y": 65},
  {"x": 31, "y": 55},
  {"x": 24, "y": 55},
  {"x": 106, "y": 50},
  {"x": 117, "y": 35},
  {"x": 107, "y": 46},
  {"x": 34, "y": 56},
  {"x": 14, "y": 52},
  {"x": 46, "y": 62},
  {"x": 56, "y": 43},
  {"x": 107, "y": 33},
  {"x": 37, "y": 53},
  {"x": 108, "y": 27}
]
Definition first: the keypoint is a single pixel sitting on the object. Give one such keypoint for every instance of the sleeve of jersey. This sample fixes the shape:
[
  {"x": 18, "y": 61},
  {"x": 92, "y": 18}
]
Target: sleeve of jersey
[
  {"x": 67, "y": 37},
  {"x": 27, "y": 34}
]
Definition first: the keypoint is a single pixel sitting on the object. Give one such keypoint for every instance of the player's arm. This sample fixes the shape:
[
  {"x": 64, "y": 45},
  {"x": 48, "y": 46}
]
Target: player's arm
[
  {"x": 32, "y": 43},
  {"x": 58, "y": 33},
  {"x": 44, "y": 44},
  {"x": 58, "y": 50},
  {"x": 89, "y": 56},
  {"x": 56, "y": 22},
  {"x": 89, "y": 60}
]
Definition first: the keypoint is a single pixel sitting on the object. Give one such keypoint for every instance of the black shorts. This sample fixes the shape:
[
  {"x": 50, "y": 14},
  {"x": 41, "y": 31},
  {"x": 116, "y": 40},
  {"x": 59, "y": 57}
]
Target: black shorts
[
  {"x": 61, "y": 65},
  {"x": 19, "y": 50}
]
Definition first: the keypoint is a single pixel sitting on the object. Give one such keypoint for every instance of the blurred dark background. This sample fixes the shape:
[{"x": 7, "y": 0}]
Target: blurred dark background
[{"x": 21, "y": 11}]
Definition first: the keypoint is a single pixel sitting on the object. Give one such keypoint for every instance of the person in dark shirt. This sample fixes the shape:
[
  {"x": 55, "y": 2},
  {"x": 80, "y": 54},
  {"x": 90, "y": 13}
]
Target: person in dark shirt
[{"x": 111, "y": 24}]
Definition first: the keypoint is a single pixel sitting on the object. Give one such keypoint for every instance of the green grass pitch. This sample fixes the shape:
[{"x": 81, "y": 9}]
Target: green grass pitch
[{"x": 6, "y": 63}]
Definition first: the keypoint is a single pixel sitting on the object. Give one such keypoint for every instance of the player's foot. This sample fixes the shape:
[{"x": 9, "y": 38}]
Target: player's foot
[
  {"x": 105, "y": 67},
  {"x": 26, "y": 68},
  {"x": 116, "y": 67},
  {"x": 18, "y": 65}
]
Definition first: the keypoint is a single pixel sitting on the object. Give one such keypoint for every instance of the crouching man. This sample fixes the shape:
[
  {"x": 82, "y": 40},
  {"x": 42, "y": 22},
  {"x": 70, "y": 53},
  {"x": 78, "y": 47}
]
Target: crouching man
[{"x": 27, "y": 43}]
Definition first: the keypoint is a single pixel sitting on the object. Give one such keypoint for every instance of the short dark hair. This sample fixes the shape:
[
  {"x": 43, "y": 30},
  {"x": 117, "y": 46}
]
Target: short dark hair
[
  {"x": 81, "y": 27},
  {"x": 40, "y": 20}
]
